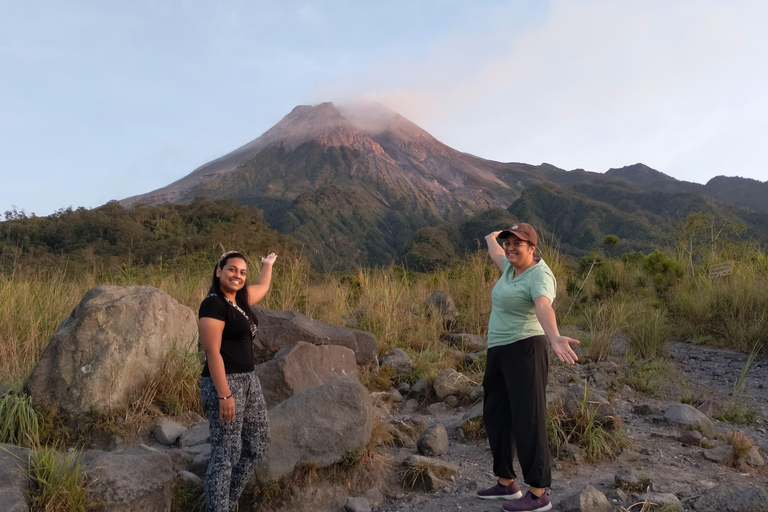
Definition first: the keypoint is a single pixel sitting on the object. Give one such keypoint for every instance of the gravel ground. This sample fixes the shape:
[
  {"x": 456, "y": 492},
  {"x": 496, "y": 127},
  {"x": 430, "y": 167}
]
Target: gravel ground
[{"x": 655, "y": 453}]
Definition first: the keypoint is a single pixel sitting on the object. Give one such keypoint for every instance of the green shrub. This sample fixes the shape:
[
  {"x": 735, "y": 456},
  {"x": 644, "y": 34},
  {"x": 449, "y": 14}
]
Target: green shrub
[
  {"x": 648, "y": 332},
  {"x": 57, "y": 482},
  {"x": 20, "y": 424}
]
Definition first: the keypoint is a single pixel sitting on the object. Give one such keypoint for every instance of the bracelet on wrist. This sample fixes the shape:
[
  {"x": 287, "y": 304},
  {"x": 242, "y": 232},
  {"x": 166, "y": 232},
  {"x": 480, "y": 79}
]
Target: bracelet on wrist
[{"x": 225, "y": 397}]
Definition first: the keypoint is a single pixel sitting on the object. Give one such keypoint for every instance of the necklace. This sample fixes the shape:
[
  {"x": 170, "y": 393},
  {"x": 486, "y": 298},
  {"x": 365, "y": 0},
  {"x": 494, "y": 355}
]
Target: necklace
[{"x": 253, "y": 326}]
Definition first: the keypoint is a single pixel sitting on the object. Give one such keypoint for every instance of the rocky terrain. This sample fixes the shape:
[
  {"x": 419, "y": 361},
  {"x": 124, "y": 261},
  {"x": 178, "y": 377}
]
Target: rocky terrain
[{"x": 324, "y": 422}]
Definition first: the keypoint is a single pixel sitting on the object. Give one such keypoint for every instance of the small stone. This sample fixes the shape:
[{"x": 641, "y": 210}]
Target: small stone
[
  {"x": 115, "y": 443},
  {"x": 588, "y": 499},
  {"x": 451, "y": 401},
  {"x": 357, "y": 505},
  {"x": 754, "y": 458},
  {"x": 404, "y": 388},
  {"x": 684, "y": 414},
  {"x": 720, "y": 454},
  {"x": 642, "y": 409},
  {"x": 189, "y": 479},
  {"x": 437, "y": 408},
  {"x": 411, "y": 405},
  {"x": 691, "y": 438},
  {"x": 433, "y": 441},
  {"x": 665, "y": 500},
  {"x": 398, "y": 360},
  {"x": 194, "y": 435},
  {"x": 419, "y": 389},
  {"x": 168, "y": 432}
]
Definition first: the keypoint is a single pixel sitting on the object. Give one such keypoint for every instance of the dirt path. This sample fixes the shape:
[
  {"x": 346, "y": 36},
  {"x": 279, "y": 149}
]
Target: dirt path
[{"x": 656, "y": 453}]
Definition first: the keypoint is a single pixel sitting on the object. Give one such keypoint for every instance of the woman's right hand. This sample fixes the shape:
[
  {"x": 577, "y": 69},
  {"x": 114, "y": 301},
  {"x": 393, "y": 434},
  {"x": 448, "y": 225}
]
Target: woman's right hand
[
  {"x": 227, "y": 409},
  {"x": 493, "y": 236}
]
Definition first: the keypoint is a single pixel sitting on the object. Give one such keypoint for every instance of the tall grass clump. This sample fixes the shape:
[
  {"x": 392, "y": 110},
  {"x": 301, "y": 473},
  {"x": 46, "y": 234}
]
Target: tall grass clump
[
  {"x": 730, "y": 311},
  {"x": 20, "y": 424},
  {"x": 604, "y": 321},
  {"x": 648, "y": 332},
  {"x": 31, "y": 308},
  {"x": 583, "y": 427},
  {"x": 57, "y": 482}
]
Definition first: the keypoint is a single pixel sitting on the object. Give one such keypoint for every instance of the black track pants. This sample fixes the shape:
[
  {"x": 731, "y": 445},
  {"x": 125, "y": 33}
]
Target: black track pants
[{"x": 515, "y": 409}]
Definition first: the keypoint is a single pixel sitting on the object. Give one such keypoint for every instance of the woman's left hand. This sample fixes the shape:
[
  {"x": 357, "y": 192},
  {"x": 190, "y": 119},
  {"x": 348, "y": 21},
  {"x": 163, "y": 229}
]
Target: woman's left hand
[
  {"x": 269, "y": 258},
  {"x": 561, "y": 345}
]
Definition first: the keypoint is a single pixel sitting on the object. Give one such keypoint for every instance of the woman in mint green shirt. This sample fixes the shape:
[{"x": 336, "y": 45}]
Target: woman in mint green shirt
[{"x": 521, "y": 328}]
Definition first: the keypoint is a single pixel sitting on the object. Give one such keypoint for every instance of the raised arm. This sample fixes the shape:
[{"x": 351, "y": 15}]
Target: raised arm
[
  {"x": 561, "y": 345},
  {"x": 211, "y": 330},
  {"x": 259, "y": 289},
  {"x": 494, "y": 249}
]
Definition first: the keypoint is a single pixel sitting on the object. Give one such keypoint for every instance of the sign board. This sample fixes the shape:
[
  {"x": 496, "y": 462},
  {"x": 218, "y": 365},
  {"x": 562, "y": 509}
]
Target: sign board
[{"x": 721, "y": 269}]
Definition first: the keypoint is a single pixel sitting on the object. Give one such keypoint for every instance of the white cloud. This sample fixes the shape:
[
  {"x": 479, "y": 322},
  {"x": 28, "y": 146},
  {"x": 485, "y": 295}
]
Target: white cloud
[{"x": 597, "y": 84}]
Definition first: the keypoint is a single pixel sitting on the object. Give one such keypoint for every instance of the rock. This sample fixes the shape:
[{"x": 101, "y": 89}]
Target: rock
[
  {"x": 115, "y": 340},
  {"x": 476, "y": 393},
  {"x": 588, "y": 499},
  {"x": 577, "y": 453},
  {"x": 437, "y": 408},
  {"x": 403, "y": 388},
  {"x": 398, "y": 360},
  {"x": 199, "y": 448},
  {"x": 302, "y": 366},
  {"x": 189, "y": 479},
  {"x": 411, "y": 405},
  {"x": 691, "y": 438},
  {"x": 196, "y": 434},
  {"x": 684, "y": 414},
  {"x": 754, "y": 458},
  {"x": 403, "y": 435},
  {"x": 3, "y": 390},
  {"x": 441, "y": 468},
  {"x": 200, "y": 464},
  {"x": 450, "y": 382},
  {"x": 467, "y": 342},
  {"x": 665, "y": 500},
  {"x": 130, "y": 481},
  {"x": 451, "y": 401},
  {"x": 116, "y": 443},
  {"x": 318, "y": 426},
  {"x": 374, "y": 496},
  {"x": 722, "y": 453},
  {"x": 419, "y": 389},
  {"x": 168, "y": 432},
  {"x": 710, "y": 408},
  {"x": 14, "y": 482},
  {"x": 727, "y": 498},
  {"x": 442, "y": 304},
  {"x": 573, "y": 399},
  {"x": 617, "y": 495},
  {"x": 433, "y": 441},
  {"x": 280, "y": 328},
  {"x": 357, "y": 505},
  {"x": 474, "y": 412},
  {"x": 628, "y": 479},
  {"x": 642, "y": 409}
]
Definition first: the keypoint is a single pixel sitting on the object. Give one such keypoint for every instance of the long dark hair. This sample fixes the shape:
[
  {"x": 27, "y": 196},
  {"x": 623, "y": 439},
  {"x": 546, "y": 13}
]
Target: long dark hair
[{"x": 241, "y": 296}]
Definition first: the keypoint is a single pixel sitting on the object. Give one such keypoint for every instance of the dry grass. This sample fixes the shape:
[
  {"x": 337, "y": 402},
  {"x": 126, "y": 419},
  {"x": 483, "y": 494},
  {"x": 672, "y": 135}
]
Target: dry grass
[{"x": 742, "y": 445}]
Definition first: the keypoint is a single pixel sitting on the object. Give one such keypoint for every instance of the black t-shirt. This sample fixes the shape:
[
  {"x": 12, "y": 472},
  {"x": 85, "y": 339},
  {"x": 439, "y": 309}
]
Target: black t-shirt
[{"x": 236, "y": 343}]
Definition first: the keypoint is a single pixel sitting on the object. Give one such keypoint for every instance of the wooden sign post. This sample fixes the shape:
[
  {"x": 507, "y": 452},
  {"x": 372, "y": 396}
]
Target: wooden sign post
[{"x": 721, "y": 269}]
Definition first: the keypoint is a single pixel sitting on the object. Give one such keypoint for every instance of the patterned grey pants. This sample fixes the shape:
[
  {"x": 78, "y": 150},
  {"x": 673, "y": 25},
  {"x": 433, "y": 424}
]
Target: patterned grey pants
[{"x": 236, "y": 445}]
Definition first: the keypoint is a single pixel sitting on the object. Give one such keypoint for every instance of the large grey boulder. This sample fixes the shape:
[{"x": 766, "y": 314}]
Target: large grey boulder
[
  {"x": 115, "y": 340},
  {"x": 684, "y": 414},
  {"x": 14, "y": 482},
  {"x": 168, "y": 432},
  {"x": 299, "y": 367},
  {"x": 130, "y": 481},
  {"x": 280, "y": 328},
  {"x": 318, "y": 426},
  {"x": 588, "y": 499},
  {"x": 727, "y": 498}
]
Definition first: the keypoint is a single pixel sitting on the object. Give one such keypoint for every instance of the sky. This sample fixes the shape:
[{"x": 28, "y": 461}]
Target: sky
[{"x": 105, "y": 100}]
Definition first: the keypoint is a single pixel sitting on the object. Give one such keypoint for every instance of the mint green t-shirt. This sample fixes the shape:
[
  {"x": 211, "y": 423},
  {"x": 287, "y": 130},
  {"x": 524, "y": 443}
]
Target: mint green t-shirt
[{"x": 513, "y": 317}]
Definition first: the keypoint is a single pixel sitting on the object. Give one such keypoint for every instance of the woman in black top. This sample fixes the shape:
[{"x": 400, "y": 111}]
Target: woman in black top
[{"x": 230, "y": 390}]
